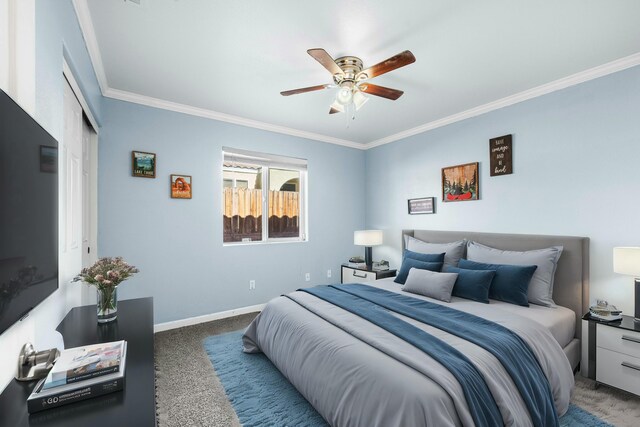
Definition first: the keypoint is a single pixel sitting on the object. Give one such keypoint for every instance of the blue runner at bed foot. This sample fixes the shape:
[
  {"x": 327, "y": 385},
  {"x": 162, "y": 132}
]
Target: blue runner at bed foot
[
  {"x": 262, "y": 397},
  {"x": 482, "y": 405},
  {"x": 513, "y": 353}
]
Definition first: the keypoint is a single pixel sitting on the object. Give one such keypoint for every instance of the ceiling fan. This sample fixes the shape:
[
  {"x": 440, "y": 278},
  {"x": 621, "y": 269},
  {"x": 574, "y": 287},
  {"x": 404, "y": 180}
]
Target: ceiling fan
[{"x": 352, "y": 81}]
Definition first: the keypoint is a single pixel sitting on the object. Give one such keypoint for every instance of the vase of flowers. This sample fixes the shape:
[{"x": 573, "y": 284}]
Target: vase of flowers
[{"x": 106, "y": 274}]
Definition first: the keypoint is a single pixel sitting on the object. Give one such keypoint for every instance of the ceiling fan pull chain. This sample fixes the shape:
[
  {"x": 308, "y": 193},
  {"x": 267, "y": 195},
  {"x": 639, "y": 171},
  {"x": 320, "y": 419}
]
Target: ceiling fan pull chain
[{"x": 347, "y": 111}]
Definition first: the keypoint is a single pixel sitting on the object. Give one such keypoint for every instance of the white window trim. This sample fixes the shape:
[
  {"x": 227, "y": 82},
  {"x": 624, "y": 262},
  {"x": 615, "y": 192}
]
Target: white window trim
[{"x": 268, "y": 161}]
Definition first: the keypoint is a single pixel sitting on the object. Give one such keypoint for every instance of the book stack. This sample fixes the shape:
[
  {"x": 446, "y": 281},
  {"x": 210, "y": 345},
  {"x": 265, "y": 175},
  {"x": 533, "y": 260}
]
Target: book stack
[
  {"x": 357, "y": 265},
  {"x": 380, "y": 266},
  {"x": 81, "y": 373},
  {"x": 605, "y": 312}
]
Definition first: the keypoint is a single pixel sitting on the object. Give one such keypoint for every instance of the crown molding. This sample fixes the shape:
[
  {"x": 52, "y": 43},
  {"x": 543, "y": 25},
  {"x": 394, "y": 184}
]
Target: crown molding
[
  {"x": 209, "y": 114},
  {"x": 90, "y": 40},
  {"x": 565, "y": 82},
  {"x": 88, "y": 32}
]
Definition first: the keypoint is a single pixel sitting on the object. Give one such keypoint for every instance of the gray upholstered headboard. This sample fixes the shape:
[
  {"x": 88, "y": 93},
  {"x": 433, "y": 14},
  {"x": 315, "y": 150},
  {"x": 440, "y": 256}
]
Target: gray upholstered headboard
[{"x": 571, "y": 286}]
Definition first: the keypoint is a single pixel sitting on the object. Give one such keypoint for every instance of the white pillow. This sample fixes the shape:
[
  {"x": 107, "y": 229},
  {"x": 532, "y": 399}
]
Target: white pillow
[
  {"x": 452, "y": 251},
  {"x": 540, "y": 290},
  {"x": 430, "y": 284}
]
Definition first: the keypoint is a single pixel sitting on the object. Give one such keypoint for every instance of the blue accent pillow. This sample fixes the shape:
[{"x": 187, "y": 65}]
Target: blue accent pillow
[
  {"x": 511, "y": 282},
  {"x": 423, "y": 257},
  {"x": 472, "y": 284},
  {"x": 409, "y": 263}
]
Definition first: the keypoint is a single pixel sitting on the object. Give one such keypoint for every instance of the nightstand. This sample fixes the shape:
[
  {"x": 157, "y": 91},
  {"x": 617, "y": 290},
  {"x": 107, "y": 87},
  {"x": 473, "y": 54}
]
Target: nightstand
[
  {"x": 362, "y": 275},
  {"x": 615, "y": 346}
]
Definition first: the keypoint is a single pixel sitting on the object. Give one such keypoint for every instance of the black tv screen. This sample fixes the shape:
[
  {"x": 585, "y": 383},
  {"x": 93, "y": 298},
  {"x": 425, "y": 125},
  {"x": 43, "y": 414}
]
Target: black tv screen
[{"x": 28, "y": 213}]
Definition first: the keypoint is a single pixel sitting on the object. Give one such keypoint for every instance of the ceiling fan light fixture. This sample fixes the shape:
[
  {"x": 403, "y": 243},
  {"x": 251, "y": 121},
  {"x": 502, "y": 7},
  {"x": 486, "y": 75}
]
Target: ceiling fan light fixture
[
  {"x": 337, "y": 106},
  {"x": 359, "y": 99},
  {"x": 345, "y": 94}
]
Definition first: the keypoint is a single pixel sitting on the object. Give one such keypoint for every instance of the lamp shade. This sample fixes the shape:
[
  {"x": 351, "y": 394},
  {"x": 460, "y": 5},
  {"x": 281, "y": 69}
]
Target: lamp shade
[
  {"x": 367, "y": 237},
  {"x": 627, "y": 261}
]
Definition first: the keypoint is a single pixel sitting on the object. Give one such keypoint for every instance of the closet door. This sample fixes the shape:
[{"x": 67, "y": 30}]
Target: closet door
[{"x": 71, "y": 186}]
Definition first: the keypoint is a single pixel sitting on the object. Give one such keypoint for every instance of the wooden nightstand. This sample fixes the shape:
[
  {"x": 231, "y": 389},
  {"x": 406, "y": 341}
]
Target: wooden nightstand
[
  {"x": 615, "y": 346},
  {"x": 362, "y": 275}
]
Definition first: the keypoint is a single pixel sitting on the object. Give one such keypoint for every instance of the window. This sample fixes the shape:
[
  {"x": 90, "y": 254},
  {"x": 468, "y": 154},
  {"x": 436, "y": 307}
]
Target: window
[{"x": 255, "y": 183}]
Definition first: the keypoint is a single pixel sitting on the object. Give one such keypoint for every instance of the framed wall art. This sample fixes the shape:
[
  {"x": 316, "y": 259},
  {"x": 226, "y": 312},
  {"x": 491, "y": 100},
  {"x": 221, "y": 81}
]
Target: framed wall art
[
  {"x": 424, "y": 205},
  {"x": 143, "y": 164},
  {"x": 181, "y": 186},
  {"x": 460, "y": 183},
  {"x": 500, "y": 159}
]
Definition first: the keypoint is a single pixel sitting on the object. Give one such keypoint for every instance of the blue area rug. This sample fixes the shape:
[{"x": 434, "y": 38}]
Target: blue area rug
[{"x": 262, "y": 396}]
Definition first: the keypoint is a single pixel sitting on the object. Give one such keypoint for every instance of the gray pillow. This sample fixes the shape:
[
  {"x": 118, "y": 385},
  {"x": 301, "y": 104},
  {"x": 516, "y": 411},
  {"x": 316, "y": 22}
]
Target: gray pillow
[
  {"x": 452, "y": 251},
  {"x": 541, "y": 286},
  {"x": 430, "y": 284}
]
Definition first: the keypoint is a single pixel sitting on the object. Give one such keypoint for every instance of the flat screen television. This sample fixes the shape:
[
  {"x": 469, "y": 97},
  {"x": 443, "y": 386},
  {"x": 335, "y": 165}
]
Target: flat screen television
[{"x": 28, "y": 213}]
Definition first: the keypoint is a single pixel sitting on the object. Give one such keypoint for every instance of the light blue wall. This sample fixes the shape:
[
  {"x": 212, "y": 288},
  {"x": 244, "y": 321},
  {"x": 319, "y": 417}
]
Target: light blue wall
[
  {"x": 576, "y": 169},
  {"x": 177, "y": 244},
  {"x": 58, "y": 37}
]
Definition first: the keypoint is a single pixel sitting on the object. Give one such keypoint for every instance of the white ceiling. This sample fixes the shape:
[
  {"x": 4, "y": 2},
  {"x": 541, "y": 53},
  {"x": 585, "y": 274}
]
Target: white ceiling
[{"x": 234, "y": 57}]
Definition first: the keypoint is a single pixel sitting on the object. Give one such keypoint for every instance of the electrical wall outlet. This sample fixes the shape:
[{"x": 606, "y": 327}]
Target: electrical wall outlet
[
  {"x": 307, "y": 277},
  {"x": 252, "y": 284},
  {"x": 329, "y": 273}
]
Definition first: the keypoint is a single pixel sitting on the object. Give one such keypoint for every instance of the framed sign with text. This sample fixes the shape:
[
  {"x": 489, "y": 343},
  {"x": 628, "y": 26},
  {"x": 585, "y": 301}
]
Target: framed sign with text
[
  {"x": 500, "y": 160},
  {"x": 425, "y": 205}
]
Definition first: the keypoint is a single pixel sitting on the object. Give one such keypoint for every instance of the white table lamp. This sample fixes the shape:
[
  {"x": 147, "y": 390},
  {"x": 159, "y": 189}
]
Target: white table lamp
[
  {"x": 627, "y": 261},
  {"x": 367, "y": 238}
]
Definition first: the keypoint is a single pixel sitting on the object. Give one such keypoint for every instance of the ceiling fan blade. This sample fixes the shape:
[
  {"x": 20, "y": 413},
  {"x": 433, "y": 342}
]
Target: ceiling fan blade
[
  {"x": 325, "y": 60},
  {"x": 333, "y": 111},
  {"x": 397, "y": 61},
  {"x": 382, "y": 91},
  {"x": 303, "y": 90}
]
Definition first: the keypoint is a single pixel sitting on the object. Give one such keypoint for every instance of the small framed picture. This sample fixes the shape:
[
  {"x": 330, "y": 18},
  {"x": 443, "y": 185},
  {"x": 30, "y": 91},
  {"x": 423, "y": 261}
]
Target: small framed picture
[
  {"x": 425, "y": 205},
  {"x": 460, "y": 183},
  {"x": 144, "y": 164},
  {"x": 48, "y": 159},
  {"x": 500, "y": 155},
  {"x": 180, "y": 186}
]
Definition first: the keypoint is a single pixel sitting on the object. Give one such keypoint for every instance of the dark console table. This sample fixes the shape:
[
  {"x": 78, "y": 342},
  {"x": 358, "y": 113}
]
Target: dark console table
[{"x": 133, "y": 406}]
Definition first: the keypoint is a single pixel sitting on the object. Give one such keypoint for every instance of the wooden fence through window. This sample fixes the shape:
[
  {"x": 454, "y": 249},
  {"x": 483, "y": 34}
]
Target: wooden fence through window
[{"x": 243, "y": 214}]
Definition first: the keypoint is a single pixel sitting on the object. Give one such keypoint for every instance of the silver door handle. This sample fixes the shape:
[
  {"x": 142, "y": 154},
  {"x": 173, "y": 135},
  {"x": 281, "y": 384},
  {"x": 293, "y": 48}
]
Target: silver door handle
[
  {"x": 631, "y": 366},
  {"x": 630, "y": 338},
  {"x": 355, "y": 273}
]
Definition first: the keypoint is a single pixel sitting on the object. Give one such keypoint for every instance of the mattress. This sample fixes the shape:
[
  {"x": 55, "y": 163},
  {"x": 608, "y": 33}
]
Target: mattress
[{"x": 560, "y": 321}]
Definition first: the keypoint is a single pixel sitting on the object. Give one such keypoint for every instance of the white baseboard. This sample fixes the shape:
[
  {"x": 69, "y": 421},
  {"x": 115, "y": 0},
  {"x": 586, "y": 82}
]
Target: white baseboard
[{"x": 160, "y": 327}]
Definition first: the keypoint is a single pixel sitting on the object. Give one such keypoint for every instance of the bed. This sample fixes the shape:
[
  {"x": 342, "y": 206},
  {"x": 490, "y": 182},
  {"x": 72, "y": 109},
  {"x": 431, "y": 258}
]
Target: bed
[{"x": 357, "y": 373}]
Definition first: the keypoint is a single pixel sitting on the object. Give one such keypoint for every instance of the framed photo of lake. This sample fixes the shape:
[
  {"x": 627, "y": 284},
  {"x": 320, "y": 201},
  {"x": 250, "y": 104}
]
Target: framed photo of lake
[
  {"x": 425, "y": 205},
  {"x": 144, "y": 164},
  {"x": 460, "y": 183},
  {"x": 180, "y": 186}
]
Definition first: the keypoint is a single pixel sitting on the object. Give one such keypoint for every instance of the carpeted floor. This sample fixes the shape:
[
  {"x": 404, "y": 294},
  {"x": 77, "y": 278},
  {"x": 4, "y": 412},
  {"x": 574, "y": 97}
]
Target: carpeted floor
[{"x": 189, "y": 392}]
